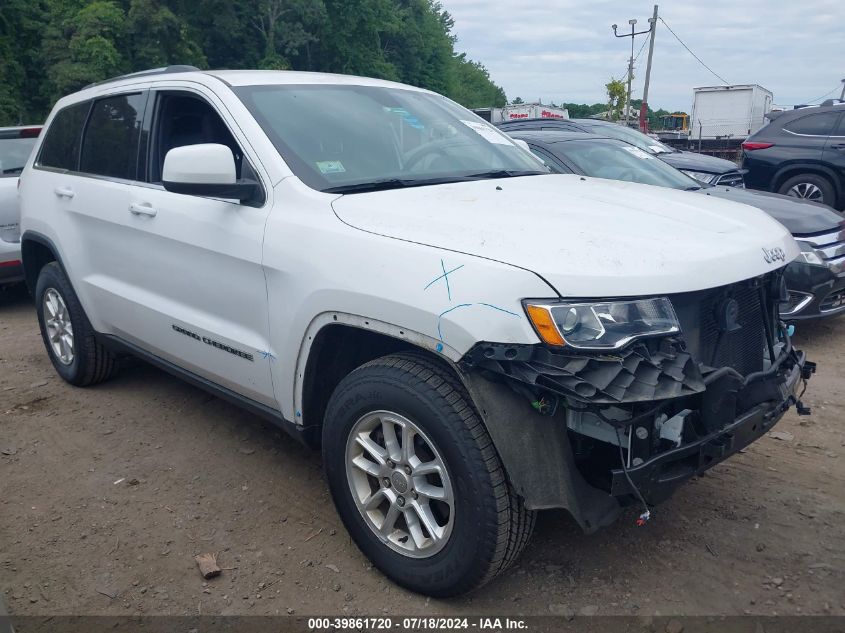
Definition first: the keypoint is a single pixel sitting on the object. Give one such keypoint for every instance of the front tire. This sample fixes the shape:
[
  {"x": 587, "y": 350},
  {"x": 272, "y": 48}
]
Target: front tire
[
  {"x": 67, "y": 333},
  {"x": 416, "y": 479}
]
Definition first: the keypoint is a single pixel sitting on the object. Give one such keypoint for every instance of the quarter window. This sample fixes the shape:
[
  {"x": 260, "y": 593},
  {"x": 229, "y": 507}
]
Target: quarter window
[
  {"x": 110, "y": 146},
  {"x": 820, "y": 124},
  {"x": 60, "y": 149}
]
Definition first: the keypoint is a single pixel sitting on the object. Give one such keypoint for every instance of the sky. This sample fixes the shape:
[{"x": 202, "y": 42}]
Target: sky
[{"x": 565, "y": 51}]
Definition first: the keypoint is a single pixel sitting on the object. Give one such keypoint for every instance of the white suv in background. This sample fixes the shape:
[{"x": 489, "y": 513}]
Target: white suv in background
[
  {"x": 16, "y": 145},
  {"x": 467, "y": 337}
]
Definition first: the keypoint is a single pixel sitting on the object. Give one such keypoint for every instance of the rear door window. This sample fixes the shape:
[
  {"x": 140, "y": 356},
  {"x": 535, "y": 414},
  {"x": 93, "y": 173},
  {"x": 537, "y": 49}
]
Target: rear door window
[
  {"x": 61, "y": 144},
  {"x": 820, "y": 124},
  {"x": 110, "y": 145}
]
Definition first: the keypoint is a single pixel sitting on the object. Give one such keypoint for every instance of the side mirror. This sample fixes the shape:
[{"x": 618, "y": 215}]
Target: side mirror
[{"x": 208, "y": 170}]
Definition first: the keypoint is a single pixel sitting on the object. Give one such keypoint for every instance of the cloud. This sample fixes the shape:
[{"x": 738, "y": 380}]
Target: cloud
[{"x": 563, "y": 50}]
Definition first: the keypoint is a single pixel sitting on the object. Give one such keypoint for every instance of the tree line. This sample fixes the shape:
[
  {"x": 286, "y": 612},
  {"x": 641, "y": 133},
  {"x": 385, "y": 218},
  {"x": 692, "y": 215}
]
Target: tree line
[{"x": 49, "y": 48}]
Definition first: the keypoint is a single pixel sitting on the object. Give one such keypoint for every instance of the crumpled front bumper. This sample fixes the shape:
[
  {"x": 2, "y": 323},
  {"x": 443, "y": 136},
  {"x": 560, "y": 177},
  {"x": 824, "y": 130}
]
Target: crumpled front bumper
[{"x": 657, "y": 477}]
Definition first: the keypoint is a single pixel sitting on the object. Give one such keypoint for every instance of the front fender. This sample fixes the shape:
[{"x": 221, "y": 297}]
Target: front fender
[{"x": 316, "y": 265}]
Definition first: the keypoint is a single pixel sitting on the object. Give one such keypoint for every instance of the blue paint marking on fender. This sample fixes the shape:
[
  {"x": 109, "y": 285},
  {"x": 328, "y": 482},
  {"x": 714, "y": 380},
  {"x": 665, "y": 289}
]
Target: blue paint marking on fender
[
  {"x": 445, "y": 277},
  {"x": 266, "y": 355},
  {"x": 467, "y": 305}
]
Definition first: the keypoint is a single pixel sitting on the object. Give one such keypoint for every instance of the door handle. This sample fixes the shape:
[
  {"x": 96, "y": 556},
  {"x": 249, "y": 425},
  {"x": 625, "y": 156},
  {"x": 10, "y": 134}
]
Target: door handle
[
  {"x": 64, "y": 192},
  {"x": 839, "y": 146},
  {"x": 136, "y": 208}
]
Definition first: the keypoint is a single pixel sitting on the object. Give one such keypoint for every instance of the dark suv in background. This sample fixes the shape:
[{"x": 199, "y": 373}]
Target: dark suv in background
[
  {"x": 800, "y": 153},
  {"x": 706, "y": 169}
]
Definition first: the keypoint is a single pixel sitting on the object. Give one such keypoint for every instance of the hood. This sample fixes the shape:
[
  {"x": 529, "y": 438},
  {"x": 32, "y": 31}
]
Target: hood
[
  {"x": 698, "y": 162},
  {"x": 798, "y": 216},
  {"x": 587, "y": 237}
]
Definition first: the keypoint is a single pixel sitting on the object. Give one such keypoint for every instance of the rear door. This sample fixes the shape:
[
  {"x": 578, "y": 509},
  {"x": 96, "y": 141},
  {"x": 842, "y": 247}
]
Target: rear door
[{"x": 96, "y": 198}]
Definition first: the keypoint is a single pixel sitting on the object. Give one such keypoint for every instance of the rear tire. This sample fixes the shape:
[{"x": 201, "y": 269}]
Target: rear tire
[
  {"x": 810, "y": 187},
  {"x": 485, "y": 527},
  {"x": 67, "y": 334}
]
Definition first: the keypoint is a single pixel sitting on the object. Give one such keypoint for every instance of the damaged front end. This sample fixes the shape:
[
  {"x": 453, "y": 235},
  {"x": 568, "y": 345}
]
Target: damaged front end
[{"x": 659, "y": 409}]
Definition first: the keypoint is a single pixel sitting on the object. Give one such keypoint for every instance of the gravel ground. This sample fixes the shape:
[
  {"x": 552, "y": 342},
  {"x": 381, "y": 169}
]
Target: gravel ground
[{"x": 106, "y": 495}]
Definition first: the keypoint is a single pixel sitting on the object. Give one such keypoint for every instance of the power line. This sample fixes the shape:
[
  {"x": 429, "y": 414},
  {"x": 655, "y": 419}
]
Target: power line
[
  {"x": 722, "y": 79},
  {"x": 645, "y": 41},
  {"x": 625, "y": 72},
  {"x": 824, "y": 95}
]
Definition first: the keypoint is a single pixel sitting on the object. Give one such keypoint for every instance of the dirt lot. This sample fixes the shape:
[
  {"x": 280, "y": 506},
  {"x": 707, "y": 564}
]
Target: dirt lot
[{"x": 106, "y": 494}]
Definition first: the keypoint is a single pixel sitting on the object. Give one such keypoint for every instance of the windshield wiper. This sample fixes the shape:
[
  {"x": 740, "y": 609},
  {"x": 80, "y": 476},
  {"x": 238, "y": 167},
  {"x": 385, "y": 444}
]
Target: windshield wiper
[
  {"x": 13, "y": 170},
  {"x": 693, "y": 188},
  {"x": 504, "y": 173},
  {"x": 389, "y": 183},
  {"x": 401, "y": 183}
]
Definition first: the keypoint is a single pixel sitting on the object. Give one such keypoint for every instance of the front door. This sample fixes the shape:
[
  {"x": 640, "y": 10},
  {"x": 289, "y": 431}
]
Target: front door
[{"x": 194, "y": 277}]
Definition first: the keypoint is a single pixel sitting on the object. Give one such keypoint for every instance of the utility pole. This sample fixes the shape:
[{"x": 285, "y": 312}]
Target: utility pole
[
  {"x": 632, "y": 35},
  {"x": 644, "y": 108},
  {"x": 842, "y": 96}
]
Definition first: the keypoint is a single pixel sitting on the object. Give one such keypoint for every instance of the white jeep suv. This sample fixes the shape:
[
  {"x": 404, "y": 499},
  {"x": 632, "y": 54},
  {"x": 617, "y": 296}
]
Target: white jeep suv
[{"x": 383, "y": 274}]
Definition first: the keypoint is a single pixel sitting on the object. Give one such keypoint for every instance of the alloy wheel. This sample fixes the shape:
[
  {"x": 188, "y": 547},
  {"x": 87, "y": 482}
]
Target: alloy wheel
[
  {"x": 807, "y": 191},
  {"x": 59, "y": 326},
  {"x": 400, "y": 484}
]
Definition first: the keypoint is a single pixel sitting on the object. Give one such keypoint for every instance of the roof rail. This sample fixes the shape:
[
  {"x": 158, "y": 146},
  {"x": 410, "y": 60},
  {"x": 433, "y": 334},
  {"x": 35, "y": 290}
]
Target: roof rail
[
  {"x": 831, "y": 102},
  {"x": 178, "y": 68}
]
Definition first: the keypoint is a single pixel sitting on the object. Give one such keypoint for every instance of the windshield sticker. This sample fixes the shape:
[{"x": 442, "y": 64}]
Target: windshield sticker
[
  {"x": 487, "y": 133},
  {"x": 636, "y": 151},
  {"x": 330, "y": 167},
  {"x": 409, "y": 118}
]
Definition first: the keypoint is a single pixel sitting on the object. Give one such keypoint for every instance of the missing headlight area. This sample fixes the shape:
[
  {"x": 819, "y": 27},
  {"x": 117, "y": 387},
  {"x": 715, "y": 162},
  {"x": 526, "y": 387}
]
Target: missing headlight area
[
  {"x": 663, "y": 408},
  {"x": 634, "y": 374}
]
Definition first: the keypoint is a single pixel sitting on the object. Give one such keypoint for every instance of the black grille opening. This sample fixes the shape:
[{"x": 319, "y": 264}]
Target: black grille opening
[{"x": 723, "y": 327}]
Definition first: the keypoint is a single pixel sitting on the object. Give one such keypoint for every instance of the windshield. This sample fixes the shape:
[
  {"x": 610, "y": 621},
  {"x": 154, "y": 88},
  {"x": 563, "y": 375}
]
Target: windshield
[
  {"x": 14, "y": 153},
  {"x": 616, "y": 160},
  {"x": 356, "y": 138},
  {"x": 634, "y": 137}
]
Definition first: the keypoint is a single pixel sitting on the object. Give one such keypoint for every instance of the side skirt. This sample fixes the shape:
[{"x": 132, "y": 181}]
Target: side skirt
[{"x": 119, "y": 345}]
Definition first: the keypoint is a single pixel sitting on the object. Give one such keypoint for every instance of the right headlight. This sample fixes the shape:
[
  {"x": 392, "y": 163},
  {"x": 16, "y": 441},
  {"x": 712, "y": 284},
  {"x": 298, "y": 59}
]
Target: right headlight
[{"x": 602, "y": 325}]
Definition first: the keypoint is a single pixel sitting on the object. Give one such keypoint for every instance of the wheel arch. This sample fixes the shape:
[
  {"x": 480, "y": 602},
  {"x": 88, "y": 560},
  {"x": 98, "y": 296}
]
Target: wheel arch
[
  {"x": 337, "y": 343},
  {"x": 37, "y": 251},
  {"x": 794, "y": 169}
]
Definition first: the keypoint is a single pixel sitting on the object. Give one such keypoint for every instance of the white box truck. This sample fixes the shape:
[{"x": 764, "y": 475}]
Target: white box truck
[
  {"x": 728, "y": 111},
  {"x": 514, "y": 112}
]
